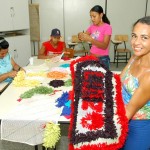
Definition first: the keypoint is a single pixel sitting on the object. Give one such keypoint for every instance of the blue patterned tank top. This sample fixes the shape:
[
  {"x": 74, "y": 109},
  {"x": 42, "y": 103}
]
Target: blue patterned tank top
[{"x": 129, "y": 85}]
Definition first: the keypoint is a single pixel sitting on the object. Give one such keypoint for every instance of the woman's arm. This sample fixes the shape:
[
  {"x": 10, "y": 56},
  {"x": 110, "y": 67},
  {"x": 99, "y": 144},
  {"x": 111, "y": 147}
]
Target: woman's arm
[
  {"x": 140, "y": 97},
  {"x": 103, "y": 45},
  {"x": 13, "y": 72},
  {"x": 80, "y": 35},
  {"x": 41, "y": 53},
  {"x": 64, "y": 47},
  {"x": 86, "y": 37},
  {"x": 10, "y": 74},
  {"x": 16, "y": 67}
]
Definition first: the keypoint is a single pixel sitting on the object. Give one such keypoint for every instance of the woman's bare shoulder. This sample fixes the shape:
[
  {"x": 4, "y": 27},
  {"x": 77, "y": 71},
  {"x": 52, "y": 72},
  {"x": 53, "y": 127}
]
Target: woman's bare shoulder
[{"x": 145, "y": 80}]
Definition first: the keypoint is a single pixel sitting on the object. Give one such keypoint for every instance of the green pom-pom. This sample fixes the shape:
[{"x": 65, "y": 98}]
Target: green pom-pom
[
  {"x": 68, "y": 82},
  {"x": 51, "y": 135},
  {"x": 27, "y": 94}
]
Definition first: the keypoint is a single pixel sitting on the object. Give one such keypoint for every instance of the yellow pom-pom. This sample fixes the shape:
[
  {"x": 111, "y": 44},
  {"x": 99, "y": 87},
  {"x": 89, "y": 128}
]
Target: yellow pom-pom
[
  {"x": 32, "y": 74},
  {"x": 51, "y": 135}
]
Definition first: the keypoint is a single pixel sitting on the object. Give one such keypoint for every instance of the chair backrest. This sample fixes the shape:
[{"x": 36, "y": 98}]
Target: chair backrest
[
  {"x": 123, "y": 38},
  {"x": 70, "y": 54}
]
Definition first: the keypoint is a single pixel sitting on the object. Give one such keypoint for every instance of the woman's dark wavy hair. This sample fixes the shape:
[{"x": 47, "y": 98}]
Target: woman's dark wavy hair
[
  {"x": 99, "y": 9},
  {"x": 3, "y": 43},
  {"x": 144, "y": 20}
]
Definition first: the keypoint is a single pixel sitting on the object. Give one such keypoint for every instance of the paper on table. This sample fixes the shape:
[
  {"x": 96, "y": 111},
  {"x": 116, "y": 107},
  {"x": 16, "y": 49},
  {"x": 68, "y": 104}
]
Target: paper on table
[
  {"x": 40, "y": 68},
  {"x": 57, "y": 58}
]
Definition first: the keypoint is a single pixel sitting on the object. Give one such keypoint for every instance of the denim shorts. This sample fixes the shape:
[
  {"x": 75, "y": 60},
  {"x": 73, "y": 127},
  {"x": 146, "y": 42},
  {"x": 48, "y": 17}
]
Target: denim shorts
[{"x": 105, "y": 60}]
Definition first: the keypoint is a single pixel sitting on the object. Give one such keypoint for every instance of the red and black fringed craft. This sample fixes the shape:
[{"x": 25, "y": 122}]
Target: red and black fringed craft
[{"x": 98, "y": 120}]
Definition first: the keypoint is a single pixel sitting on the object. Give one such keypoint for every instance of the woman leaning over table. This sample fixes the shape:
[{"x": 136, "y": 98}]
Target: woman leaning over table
[
  {"x": 53, "y": 47},
  {"x": 99, "y": 35},
  {"x": 8, "y": 67},
  {"x": 136, "y": 87}
]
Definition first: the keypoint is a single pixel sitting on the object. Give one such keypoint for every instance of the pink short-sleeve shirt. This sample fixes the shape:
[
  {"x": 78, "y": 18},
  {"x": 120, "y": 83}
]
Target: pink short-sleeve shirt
[{"x": 98, "y": 33}]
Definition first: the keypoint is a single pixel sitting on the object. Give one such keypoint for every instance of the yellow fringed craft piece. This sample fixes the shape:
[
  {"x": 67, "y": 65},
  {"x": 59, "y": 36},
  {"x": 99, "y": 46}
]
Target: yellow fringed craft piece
[
  {"x": 32, "y": 74},
  {"x": 20, "y": 81},
  {"x": 51, "y": 135},
  {"x": 20, "y": 76}
]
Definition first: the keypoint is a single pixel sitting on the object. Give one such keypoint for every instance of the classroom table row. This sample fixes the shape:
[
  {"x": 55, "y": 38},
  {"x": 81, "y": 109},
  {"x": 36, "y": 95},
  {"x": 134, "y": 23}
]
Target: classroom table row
[{"x": 23, "y": 120}]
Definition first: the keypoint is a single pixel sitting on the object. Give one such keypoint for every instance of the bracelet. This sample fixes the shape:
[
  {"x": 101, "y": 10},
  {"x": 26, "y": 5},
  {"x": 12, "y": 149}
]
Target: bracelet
[{"x": 19, "y": 68}]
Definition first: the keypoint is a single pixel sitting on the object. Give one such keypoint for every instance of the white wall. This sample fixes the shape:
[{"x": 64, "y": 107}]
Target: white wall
[
  {"x": 76, "y": 15},
  {"x": 51, "y": 16},
  {"x": 148, "y": 8},
  {"x": 122, "y": 15}
]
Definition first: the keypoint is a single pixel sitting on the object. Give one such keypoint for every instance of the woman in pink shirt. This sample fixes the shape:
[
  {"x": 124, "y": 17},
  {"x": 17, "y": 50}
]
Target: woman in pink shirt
[{"x": 99, "y": 34}]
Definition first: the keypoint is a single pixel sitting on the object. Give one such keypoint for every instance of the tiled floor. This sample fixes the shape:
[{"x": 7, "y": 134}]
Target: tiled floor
[{"x": 63, "y": 143}]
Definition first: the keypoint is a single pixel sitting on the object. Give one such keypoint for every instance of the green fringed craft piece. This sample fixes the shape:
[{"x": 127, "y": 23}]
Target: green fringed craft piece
[
  {"x": 68, "y": 82},
  {"x": 36, "y": 90}
]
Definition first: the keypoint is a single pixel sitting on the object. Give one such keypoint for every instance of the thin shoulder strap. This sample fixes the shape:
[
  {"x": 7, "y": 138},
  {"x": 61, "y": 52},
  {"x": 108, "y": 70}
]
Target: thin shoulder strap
[{"x": 131, "y": 62}]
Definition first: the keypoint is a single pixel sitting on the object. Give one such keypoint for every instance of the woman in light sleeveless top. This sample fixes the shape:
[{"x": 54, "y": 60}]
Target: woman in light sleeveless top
[
  {"x": 8, "y": 67},
  {"x": 136, "y": 88}
]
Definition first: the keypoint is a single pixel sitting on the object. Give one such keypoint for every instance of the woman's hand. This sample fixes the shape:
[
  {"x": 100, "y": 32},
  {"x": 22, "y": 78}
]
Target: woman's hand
[
  {"x": 84, "y": 37},
  {"x": 80, "y": 35},
  {"x": 53, "y": 55},
  {"x": 66, "y": 52},
  {"x": 12, "y": 74}
]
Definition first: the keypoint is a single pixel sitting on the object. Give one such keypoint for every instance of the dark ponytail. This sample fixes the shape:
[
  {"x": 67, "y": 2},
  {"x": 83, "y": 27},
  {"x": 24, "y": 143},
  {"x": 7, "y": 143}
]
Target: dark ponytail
[
  {"x": 3, "y": 43},
  {"x": 99, "y": 9},
  {"x": 105, "y": 19}
]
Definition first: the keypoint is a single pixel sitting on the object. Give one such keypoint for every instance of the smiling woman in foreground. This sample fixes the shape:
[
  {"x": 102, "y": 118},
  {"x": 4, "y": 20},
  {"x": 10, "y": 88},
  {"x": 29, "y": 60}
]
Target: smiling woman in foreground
[{"x": 136, "y": 87}]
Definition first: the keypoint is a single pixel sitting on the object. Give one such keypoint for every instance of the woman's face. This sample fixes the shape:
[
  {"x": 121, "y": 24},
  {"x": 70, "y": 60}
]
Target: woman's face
[
  {"x": 96, "y": 17},
  {"x": 3, "y": 53},
  {"x": 140, "y": 40},
  {"x": 55, "y": 39}
]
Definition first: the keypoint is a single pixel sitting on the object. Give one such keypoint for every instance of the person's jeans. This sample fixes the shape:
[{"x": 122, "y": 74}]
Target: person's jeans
[{"x": 105, "y": 60}]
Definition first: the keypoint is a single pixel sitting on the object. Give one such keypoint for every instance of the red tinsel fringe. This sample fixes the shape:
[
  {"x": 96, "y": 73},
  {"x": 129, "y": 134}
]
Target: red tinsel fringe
[{"x": 120, "y": 112}]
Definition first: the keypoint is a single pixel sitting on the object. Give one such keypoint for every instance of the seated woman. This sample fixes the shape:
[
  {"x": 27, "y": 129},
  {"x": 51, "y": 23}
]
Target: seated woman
[
  {"x": 8, "y": 67},
  {"x": 53, "y": 47}
]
